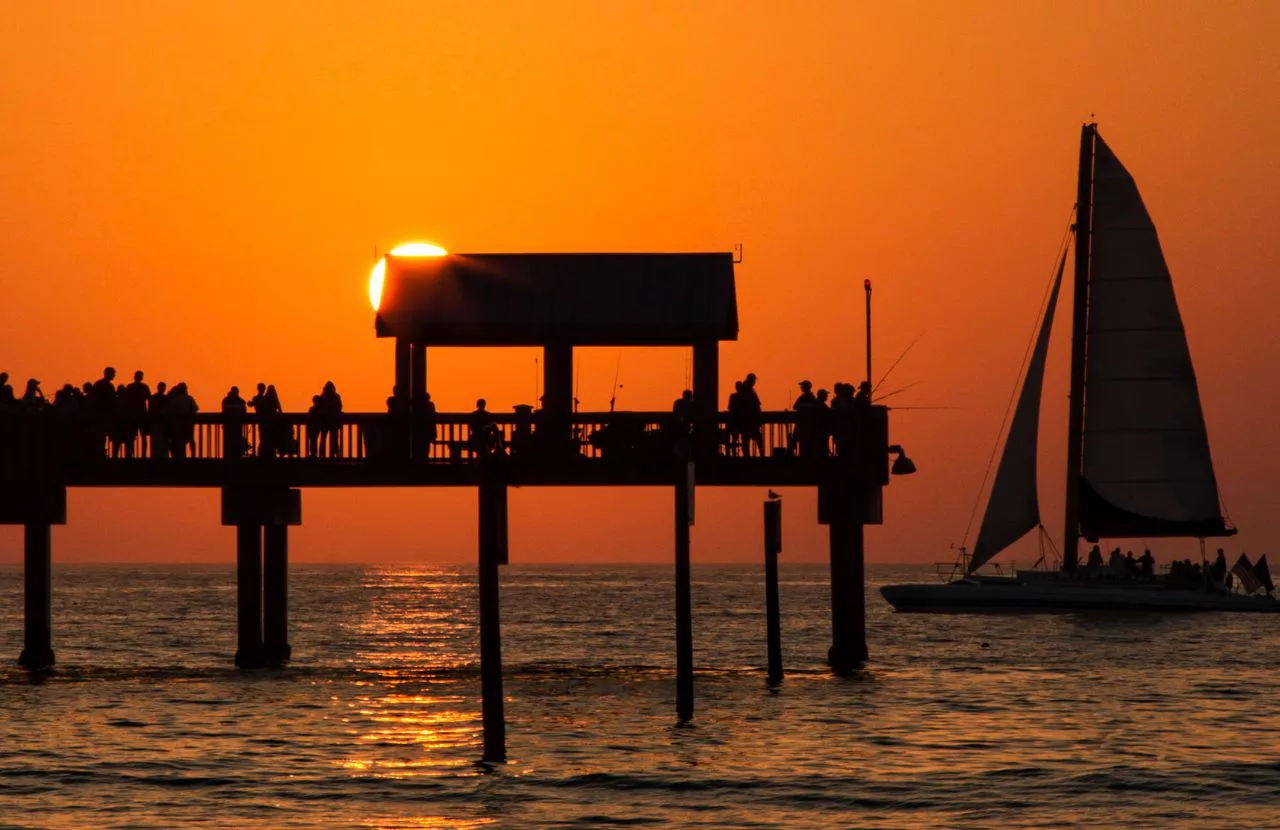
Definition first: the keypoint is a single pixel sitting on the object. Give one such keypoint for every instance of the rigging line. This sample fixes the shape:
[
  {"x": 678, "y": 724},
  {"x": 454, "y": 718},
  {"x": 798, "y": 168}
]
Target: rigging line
[
  {"x": 903, "y": 408},
  {"x": 900, "y": 389},
  {"x": 1059, "y": 256},
  {"x": 895, "y": 363}
]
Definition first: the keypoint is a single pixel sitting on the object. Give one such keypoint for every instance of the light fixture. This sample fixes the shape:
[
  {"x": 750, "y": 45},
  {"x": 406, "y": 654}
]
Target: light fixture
[{"x": 902, "y": 466}]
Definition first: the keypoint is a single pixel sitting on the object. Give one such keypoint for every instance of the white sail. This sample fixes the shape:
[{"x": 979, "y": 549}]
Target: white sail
[
  {"x": 1014, "y": 506},
  {"x": 1147, "y": 470}
]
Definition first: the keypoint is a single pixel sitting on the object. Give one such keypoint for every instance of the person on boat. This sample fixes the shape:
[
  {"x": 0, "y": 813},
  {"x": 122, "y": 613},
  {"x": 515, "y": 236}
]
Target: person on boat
[
  {"x": 1094, "y": 564},
  {"x": 1131, "y": 569},
  {"x": 1218, "y": 571},
  {"x": 1147, "y": 563},
  {"x": 1115, "y": 565}
]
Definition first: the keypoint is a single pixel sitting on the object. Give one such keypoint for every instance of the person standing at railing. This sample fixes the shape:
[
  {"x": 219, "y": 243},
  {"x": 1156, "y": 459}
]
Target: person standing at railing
[
  {"x": 7, "y": 400},
  {"x": 483, "y": 436},
  {"x": 181, "y": 409},
  {"x": 102, "y": 403},
  {"x": 133, "y": 406},
  {"x": 804, "y": 436},
  {"x": 33, "y": 398},
  {"x": 235, "y": 410},
  {"x": 156, "y": 410},
  {"x": 328, "y": 410},
  {"x": 735, "y": 441},
  {"x": 427, "y": 424},
  {"x": 752, "y": 416}
]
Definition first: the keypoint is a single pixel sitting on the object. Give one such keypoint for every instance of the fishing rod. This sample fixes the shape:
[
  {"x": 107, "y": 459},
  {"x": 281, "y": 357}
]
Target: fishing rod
[
  {"x": 617, "y": 373},
  {"x": 897, "y": 391},
  {"x": 895, "y": 363}
]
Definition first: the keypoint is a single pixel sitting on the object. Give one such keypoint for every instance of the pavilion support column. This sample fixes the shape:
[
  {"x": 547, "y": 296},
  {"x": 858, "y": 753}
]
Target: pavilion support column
[
  {"x": 404, "y": 367},
  {"x": 249, "y": 596},
  {"x": 706, "y": 394},
  {"x": 37, "y": 579},
  {"x": 684, "y": 602},
  {"x": 848, "y": 594},
  {"x": 416, "y": 394},
  {"x": 493, "y": 521},
  {"x": 275, "y": 595},
  {"x": 557, "y": 394}
]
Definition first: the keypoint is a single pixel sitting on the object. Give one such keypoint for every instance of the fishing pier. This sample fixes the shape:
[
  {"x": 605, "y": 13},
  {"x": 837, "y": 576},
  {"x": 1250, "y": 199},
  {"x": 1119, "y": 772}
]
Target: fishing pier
[{"x": 553, "y": 301}]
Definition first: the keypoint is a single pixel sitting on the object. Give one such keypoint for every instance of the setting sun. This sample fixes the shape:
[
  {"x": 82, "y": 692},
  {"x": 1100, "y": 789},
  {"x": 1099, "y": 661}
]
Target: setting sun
[{"x": 380, "y": 270}]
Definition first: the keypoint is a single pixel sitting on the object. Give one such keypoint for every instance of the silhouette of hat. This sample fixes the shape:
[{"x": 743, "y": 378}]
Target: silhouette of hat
[{"x": 805, "y": 384}]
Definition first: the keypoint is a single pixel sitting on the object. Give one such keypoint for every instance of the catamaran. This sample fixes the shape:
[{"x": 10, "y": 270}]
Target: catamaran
[{"x": 1138, "y": 462}]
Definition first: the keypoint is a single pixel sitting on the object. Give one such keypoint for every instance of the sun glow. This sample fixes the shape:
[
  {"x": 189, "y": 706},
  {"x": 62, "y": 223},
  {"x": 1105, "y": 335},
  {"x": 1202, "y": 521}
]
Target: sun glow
[{"x": 379, "y": 274}]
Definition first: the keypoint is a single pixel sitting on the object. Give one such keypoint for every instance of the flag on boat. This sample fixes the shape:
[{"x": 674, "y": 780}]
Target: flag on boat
[
  {"x": 1243, "y": 569},
  {"x": 1263, "y": 572}
]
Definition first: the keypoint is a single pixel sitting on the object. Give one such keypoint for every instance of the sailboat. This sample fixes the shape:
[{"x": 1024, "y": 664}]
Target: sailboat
[{"x": 1138, "y": 461}]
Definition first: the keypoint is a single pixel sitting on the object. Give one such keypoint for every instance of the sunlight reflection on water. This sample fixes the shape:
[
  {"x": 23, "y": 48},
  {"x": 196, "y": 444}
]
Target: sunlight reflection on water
[{"x": 1071, "y": 720}]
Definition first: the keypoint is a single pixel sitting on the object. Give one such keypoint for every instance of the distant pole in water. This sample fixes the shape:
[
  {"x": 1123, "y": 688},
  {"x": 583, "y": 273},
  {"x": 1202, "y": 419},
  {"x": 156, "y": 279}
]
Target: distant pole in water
[
  {"x": 867, "y": 285},
  {"x": 773, "y": 616}
]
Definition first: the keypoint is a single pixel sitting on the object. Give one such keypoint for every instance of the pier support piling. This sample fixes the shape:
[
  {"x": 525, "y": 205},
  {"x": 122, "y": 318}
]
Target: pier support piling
[
  {"x": 37, "y": 577},
  {"x": 493, "y": 521},
  {"x": 848, "y": 594},
  {"x": 275, "y": 595},
  {"x": 684, "y": 604},
  {"x": 249, "y": 596},
  {"x": 772, "y": 547}
]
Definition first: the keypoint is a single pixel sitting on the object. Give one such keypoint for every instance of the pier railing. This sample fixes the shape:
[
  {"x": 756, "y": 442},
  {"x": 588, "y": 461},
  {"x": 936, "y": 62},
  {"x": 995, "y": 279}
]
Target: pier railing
[{"x": 33, "y": 443}]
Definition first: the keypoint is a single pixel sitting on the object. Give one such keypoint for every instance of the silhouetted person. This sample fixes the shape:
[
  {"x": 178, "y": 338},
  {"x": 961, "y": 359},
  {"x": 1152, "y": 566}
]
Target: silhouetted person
[
  {"x": 1115, "y": 565},
  {"x": 6, "y": 393},
  {"x": 804, "y": 437},
  {"x": 863, "y": 398},
  {"x": 1218, "y": 571},
  {"x": 1147, "y": 563},
  {"x": 157, "y": 411},
  {"x": 735, "y": 440},
  {"x": 483, "y": 436},
  {"x": 329, "y": 416},
  {"x": 133, "y": 408},
  {"x": 33, "y": 398},
  {"x": 752, "y": 415},
  {"x": 1131, "y": 569},
  {"x": 182, "y": 409},
  {"x": 66, "y": 400},
  {"x": 235, "y": 408},
  {"x": 102, "y": 403},
  {"x": 427, "y": 424}
]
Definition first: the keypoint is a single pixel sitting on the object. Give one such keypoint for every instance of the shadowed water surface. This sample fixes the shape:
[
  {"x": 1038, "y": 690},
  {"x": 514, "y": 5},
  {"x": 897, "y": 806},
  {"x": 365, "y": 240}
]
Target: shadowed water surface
[{"x": 1100, "y": 720}]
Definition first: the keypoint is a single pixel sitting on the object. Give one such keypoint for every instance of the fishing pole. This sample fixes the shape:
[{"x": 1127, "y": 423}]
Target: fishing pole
[
  {"x": 617, "y": 373},
  {"x": 895, "y": 363}
]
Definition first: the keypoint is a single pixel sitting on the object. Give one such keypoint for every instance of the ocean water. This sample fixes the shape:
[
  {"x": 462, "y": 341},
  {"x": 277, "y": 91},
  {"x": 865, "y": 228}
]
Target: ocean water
[{"x": 1057, "y": 721}]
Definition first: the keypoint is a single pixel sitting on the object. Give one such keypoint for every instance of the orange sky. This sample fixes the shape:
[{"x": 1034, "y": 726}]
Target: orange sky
[{"x": 197, "y": 189}]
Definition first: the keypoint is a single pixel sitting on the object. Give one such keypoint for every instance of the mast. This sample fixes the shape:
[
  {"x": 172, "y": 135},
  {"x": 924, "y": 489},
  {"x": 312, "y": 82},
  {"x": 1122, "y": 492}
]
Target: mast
[{"x": 1079, "y": 327}]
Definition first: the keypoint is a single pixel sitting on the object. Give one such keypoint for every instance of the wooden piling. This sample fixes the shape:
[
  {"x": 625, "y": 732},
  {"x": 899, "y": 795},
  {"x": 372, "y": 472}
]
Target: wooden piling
[
  {"x": 772, "y": 547},
  {"x": 684, "y": 604},
  {"x": 493, "y": 520},
  {"x": 275, "y": 595},
  {"x": 37, "y": 578},
  {"x": 249, "y": 596},
  {"x": 848, "y": 599}
]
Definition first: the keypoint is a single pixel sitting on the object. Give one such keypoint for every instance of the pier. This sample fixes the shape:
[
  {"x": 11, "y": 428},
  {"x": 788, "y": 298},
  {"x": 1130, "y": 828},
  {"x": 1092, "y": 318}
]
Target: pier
[{"x": 262, "y": 463}]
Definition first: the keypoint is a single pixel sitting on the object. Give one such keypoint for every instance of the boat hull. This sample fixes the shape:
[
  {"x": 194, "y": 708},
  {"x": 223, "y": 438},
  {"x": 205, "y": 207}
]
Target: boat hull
[{"x": 1013, "y": 597}]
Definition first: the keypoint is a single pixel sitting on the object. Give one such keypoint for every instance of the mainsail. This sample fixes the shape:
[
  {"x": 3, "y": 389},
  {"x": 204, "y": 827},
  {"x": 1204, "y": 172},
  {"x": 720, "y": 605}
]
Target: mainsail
[
  {"x": 1014, "y": 506},
  {"x": 1147, "y": 469}
]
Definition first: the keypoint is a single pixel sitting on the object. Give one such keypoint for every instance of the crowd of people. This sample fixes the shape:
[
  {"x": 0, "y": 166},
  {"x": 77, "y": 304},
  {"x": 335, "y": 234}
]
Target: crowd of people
[
  {"x": 1181, "y": 573},
  {"x": 129, "y": 420}
]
